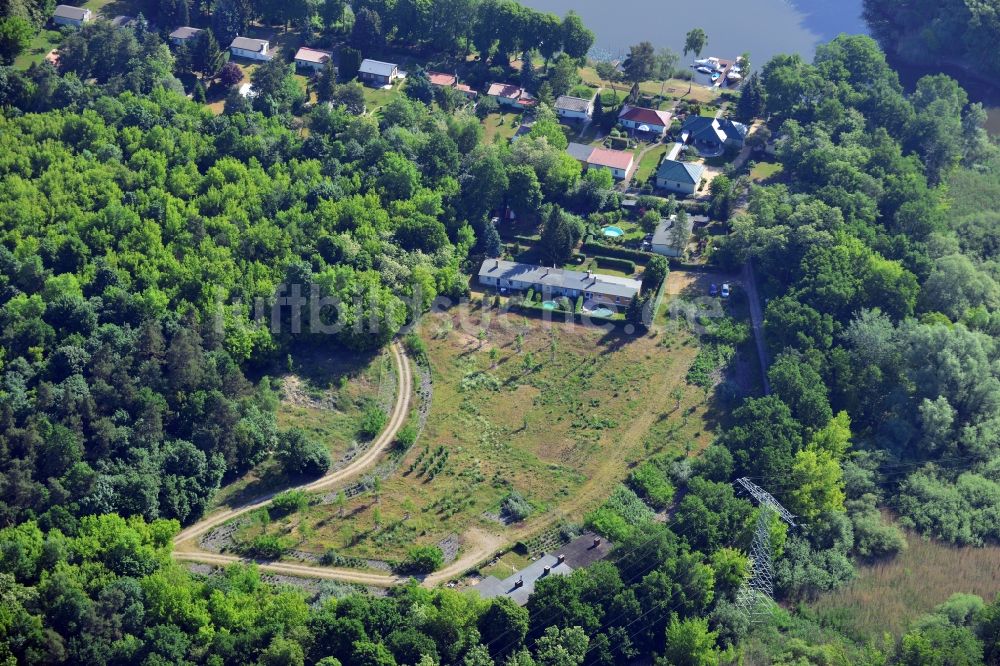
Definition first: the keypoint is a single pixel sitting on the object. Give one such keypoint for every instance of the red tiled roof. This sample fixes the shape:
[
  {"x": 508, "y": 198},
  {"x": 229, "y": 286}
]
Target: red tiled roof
[
  {"x": 639, "y": 114},
  {"x": 615, "y": 159},
  {"x": 441, "y": 79},
  {"x": 307, "y": 54},
  {"x": 504, "y": 90},
  {"x": 461, "y": 87}
]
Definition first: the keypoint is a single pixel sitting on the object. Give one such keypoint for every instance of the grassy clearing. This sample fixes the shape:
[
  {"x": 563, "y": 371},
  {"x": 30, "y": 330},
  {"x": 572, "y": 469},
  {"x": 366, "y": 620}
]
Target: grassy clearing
[
  {"x": 650, "y": 161},
  {"x": 500, "y": 127},
  {"x": 557, "y": 412},
  {"x": 673, "y": 89},
  {"x": 324, "y": 394},
  {"x": 763, "y": 172},
  {"x": 887, "y": 596}
]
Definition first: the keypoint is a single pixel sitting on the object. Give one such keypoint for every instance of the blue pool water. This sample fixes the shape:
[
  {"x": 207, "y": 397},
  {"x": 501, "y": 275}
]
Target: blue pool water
[{"x": 612, "y": 231}]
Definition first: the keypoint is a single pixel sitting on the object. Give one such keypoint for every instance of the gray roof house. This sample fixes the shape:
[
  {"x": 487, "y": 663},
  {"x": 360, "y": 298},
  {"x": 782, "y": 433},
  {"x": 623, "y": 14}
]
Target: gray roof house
[
  {"x": 580, "y": 151},
  {"x": 248, "y": 47},
  {"x": 575, "y": 108},
  {"x": 595, "y": 287},
  {"x": 577, "y": 554},
  {"x": 69, "y": 15},
  {"x": 711, "y": 136},
  {"x": 671, "y": 240},
  {"x": 377, "y": 72},
  {"x": 183, "y": 33},
  {"x": 678, "y": 176}
]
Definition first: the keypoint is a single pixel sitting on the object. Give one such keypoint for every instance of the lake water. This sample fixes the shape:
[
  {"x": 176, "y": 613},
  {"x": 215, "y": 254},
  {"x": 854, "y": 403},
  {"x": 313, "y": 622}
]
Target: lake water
[{"x": 765, "y": 28}]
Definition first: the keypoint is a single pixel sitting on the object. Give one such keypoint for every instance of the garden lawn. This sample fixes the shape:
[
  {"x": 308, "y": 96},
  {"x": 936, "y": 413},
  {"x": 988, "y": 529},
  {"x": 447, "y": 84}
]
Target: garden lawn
[
  {"x": 500, "y": 126},
  {"x": 650, "y": 161}
]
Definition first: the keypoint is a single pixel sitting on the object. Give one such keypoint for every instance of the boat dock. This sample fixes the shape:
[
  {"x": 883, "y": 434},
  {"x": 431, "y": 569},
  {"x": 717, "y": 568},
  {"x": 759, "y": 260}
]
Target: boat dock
[{"x": 722, "y": 66}]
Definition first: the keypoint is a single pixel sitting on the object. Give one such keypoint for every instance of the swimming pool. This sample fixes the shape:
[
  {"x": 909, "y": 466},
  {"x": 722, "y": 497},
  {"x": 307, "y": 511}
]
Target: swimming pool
[{"x": 612, "y": 231}]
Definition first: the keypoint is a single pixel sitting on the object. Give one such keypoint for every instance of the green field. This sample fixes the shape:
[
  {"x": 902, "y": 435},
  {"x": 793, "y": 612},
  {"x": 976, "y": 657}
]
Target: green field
[{"x": 887, "y": 596}]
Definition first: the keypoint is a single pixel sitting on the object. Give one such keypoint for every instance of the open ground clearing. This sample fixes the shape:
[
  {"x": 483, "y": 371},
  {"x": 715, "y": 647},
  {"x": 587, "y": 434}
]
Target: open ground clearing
[
  {"x": 887, "y": 596},
  {"x": 558, "y": 413}
]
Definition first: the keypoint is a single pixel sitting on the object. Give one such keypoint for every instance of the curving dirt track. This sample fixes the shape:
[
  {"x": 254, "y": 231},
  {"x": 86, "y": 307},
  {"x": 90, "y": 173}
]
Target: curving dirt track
[{"x": 186, "y": 541}]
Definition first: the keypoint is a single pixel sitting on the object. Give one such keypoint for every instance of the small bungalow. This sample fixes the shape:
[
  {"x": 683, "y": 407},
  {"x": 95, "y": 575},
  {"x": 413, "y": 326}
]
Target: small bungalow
[
  {"x": 641, "y": 119},
  {"x": 581, "y": 152},
  {"x": 247, "y": 47},
  {"x": 69, "y": 15},
  {"x": 183, "y": 33},
  {"x": 677, "y": 176},
  {"x": 553, "y": 282},
  {"x": 574, "y": 108},
  {"x": 712, "y": 136},
  {"x": 442, "y": 80},
  {"x": 469, "y": 93},
  {"x": 620, "y": 162},
  {"x": 377, "y": 73},
  {"x": 312, "y": 59},
  {"x": 671, "y": 240},
  {"x": 507, "y": 94}
]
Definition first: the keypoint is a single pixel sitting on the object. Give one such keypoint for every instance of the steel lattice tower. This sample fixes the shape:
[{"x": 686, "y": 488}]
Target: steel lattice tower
[{"x": 755, "y": 597}]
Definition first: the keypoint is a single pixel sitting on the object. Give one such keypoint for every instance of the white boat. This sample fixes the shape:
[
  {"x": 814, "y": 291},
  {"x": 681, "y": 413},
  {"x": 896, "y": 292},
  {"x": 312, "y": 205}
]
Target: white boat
[
  {"x": 734, "y": 76},
  {"x": 705, "y": 70},
  {"x": 703, "y": 61}
]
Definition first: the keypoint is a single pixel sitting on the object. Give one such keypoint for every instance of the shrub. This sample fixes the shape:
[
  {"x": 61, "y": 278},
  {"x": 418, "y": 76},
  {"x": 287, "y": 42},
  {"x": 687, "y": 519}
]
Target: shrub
[
  {"x": 578, "y": 307},
  {"x": 422, "y": 560},
  {"x": 624, "y": 265},
  {"x": 230, "y": 74},
  {"x": 265, "y": 546},
  {"x": 372, "y": 422},
  {"x": 288, "y": 502},
  {"x": 415, "y": 347},
  {"x": 515, "y": 507},
  {"x": 406, "y": 436},
  {"x": 300, "y": 455},
  {"x": 610, "y": 524},
  {"x": 651, "y": 482}
]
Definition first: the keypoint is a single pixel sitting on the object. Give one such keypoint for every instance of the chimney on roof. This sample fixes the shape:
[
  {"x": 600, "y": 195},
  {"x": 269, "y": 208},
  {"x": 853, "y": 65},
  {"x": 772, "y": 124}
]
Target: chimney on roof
[
  {"x": 546, "y": 570},
  {"x": 597, "y": 541},
  {"x": 561, "y": 558},
  {"x": 496, "y": 263},
  {"x": 519, "y": 582},
  {"x": 590, "y": 273}
]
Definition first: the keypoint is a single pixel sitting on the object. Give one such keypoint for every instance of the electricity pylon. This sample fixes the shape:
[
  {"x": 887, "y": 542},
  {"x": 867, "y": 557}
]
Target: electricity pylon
[{"x": 755, "y": 597}]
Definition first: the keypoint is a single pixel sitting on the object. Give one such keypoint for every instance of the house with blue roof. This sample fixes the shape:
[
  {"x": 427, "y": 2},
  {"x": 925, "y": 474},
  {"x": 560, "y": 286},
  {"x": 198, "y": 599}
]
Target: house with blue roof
[
  {"x": 680, "y": 177},
  {"x": 712, "y": 136}
]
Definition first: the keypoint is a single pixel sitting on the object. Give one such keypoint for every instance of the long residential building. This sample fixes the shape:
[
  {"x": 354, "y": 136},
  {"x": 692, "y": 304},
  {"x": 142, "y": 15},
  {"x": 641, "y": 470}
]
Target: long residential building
[{"x": 554, "y": 282}]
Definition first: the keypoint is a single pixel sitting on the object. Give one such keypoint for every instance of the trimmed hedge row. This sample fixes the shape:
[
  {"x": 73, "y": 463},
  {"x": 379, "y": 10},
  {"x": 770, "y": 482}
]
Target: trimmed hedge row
[
  {"x": 613, "y": 263},
  {"x": 594, "y": 247}
]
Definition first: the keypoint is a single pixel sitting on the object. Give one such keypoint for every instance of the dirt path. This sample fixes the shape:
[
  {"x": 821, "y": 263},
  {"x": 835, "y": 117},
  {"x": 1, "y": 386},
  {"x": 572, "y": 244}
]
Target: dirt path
[
  {"x": 301, "y": 570},
  {"x": 477, "y": 545},
  {"x": 186, "y": 542}
]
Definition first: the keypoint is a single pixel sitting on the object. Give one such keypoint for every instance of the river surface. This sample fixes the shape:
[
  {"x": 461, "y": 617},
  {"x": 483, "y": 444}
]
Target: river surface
[{"x": 764, "y": 28}]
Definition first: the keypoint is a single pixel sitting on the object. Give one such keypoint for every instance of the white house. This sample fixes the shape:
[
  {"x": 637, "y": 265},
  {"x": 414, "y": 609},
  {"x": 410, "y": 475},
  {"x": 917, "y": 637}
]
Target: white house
[
  {"x": 598, "y": 289},
  {"x": 378, "y": 73},
  {"x": 670, "y": 239},
  {"x": 620, "y": 162},
  {"x": 247, "y": 47},
  {"x": 69, "y": 15},
  {"x": 183, "y": 33},
  {"x": 507, "y": 94},
  {"x": 314, "y": 59},
  {"x": 677, "y": 176},
  {"x": 640, "y": 119},
  {"x": 574, "y": 108}
]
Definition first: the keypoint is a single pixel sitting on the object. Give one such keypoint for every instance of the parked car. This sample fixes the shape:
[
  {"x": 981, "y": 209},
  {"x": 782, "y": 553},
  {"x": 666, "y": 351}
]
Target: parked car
[
  {"x": 725, "y": 290},
  {"x": 713, "y": 290}
]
